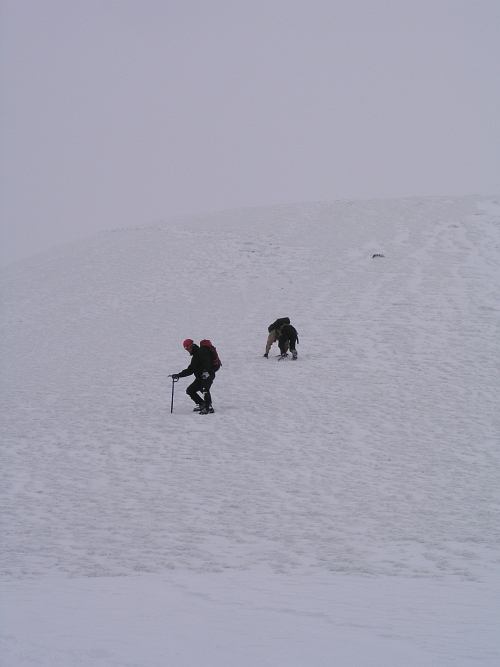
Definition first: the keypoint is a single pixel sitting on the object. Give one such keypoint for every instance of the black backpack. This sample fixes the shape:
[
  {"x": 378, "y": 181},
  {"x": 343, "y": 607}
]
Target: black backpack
[
  {"x": 217, "y": 363},
  {"x": 279, "y": 323}
]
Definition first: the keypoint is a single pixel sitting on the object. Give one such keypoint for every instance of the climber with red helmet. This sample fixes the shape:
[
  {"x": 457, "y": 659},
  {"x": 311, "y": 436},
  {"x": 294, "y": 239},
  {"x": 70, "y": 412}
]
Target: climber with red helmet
[{"x": 201, "y": 367}]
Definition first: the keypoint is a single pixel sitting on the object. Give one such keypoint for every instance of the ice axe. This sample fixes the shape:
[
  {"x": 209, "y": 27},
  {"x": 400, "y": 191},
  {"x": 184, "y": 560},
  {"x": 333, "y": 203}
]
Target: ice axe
[{"x": 174, "y": 380}]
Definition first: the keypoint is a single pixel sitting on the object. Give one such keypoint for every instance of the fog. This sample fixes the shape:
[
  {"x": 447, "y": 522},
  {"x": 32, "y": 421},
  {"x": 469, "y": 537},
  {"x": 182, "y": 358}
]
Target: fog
[{"x": 117, "y": 113}]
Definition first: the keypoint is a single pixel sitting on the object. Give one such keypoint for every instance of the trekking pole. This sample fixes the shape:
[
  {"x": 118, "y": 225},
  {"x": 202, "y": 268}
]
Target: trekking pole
[{"x": 174, "y": 380}]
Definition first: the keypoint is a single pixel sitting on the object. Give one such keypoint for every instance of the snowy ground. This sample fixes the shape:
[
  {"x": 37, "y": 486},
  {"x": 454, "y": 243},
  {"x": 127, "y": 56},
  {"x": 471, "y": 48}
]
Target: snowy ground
[{"x": 337, "y": 510}]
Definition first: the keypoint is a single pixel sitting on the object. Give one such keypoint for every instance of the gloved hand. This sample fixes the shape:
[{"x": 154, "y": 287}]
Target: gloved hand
[
  {"x": 205, "y": 375},
  {"x": 174, "y": 376}
]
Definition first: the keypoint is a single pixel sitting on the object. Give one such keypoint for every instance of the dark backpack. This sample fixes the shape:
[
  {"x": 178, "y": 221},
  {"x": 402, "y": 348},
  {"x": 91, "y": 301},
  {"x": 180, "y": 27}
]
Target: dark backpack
[
  {"x": 217, "y": 363},
  {"x": 279, "y": 323}
]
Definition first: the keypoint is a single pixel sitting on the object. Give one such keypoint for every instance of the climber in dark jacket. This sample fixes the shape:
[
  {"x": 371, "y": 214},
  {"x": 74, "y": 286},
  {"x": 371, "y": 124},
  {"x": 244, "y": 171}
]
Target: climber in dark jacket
[
  {"x": 274, "y": 330},
  {"x": 288, "y": 338},
  {"x": 201, "y": 367}
]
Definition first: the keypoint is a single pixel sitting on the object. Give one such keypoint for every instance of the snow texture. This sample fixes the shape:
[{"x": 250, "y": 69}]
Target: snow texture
[{"x": 341, "y": 509}]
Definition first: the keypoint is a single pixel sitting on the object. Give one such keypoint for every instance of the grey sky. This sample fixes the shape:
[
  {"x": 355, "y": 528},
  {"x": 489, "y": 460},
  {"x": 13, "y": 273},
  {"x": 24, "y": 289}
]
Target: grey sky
[{"x": 119, "y": 112}]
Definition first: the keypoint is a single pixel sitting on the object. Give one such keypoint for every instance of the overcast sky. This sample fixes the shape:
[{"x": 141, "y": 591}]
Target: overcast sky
[{"x": 120, "y": 112}]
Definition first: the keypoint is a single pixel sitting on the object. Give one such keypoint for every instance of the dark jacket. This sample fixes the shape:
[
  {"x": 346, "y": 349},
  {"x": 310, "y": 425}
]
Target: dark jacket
[
  {"x": 201, "y": 361},
  {"x": 288, "y": 332},
  {"x": 279, "y": 323}
]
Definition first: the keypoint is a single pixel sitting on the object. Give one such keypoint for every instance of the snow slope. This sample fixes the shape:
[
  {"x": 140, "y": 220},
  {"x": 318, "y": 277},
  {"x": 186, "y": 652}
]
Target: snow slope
[{"x": 341, "y": 509}]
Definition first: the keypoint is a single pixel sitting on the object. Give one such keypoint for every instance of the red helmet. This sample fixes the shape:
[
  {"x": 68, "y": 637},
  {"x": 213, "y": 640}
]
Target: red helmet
[{"x": 187, "y": 343}]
